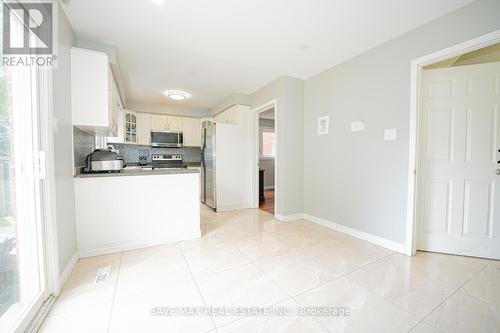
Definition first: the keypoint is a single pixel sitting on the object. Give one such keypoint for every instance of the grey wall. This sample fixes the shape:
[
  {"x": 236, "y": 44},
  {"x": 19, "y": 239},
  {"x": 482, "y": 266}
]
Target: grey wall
[
  {"x": 268, "y": 166},
  {"x": 358, "y": 179},
  {"x": 267, "y": 163},
  {"x": 65, "y": 194},
  {"x": 289, "y": 93}
]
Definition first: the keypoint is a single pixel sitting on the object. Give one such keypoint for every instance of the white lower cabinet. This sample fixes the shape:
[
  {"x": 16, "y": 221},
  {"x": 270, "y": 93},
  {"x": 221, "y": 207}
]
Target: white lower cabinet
[
  {"x": 199, "y": 169},
  {"x": 109, "y": 219}
]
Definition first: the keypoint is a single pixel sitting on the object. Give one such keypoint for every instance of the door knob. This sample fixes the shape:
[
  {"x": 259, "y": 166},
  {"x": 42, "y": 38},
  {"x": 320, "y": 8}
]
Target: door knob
[{"x": 497, "y": 171}]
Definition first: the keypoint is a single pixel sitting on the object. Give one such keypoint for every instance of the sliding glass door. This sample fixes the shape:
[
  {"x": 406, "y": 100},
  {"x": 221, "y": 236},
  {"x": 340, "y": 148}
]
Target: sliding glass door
[{"x": 22, "y": 274}]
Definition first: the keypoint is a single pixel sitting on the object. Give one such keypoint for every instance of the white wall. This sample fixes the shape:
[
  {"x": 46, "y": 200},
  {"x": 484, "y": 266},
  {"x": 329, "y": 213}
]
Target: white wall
[
  {"x": 65, "y": 194},
  {"x": 358, "y": 179},
  {"x": 289, "y": 92}
]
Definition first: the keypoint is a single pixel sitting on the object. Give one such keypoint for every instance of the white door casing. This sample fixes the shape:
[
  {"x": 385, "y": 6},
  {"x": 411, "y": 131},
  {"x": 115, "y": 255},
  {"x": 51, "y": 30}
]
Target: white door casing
[{"x": 459, "y": 191}]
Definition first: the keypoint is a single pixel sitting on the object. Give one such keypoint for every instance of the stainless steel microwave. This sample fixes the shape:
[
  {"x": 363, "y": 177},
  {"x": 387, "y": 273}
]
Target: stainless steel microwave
[{"x": 172, "y": 139}]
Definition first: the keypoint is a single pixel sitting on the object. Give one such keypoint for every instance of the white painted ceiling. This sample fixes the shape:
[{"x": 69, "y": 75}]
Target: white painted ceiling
[{"x": 214, "y": 48}]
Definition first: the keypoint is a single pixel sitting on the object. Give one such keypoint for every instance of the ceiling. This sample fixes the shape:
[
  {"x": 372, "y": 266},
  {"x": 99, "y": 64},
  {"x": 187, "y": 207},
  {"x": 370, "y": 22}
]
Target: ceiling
[{"x": 211, "y": 49}]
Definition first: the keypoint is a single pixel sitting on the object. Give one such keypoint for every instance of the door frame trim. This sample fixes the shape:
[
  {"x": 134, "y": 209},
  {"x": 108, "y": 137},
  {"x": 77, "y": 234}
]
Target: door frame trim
[
  {"x": 254, "y": 155},
  {"x": 47, "y": 127},
  {"x": 413, "y": 159}
]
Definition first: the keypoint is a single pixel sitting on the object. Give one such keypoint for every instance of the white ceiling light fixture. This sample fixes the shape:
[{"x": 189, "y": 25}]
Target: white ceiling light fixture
[
  {"x": 177, "y": 95},
  {"x": 158, "y": 2}
]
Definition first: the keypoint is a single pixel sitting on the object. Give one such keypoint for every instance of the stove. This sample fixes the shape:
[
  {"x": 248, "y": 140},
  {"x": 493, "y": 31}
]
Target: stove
[{"x": 167, "y": 161}]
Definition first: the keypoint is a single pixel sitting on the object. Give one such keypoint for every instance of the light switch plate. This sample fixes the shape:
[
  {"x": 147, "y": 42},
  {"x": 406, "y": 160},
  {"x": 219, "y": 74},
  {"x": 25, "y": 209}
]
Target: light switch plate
[
  {"x": 390, "y": 134},
  {"x": 323, "y": 125},
  {"x": 357, "y": 126}
]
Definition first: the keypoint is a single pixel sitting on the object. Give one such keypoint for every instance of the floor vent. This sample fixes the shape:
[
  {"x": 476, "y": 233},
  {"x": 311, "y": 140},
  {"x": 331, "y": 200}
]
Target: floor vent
[{"x": 102, "y": 274}]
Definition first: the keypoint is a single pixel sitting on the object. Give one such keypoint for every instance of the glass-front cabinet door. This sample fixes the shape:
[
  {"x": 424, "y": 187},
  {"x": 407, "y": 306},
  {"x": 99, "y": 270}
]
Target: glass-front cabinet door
[{"x": 130, "y": 123}]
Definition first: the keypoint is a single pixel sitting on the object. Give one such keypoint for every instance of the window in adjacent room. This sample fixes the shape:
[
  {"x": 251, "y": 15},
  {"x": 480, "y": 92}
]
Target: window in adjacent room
[{"x": 268, "y": 141}]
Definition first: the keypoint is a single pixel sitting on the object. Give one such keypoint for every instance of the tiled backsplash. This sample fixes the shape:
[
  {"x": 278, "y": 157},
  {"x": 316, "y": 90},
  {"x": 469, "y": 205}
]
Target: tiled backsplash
[
  {"x": 84, "y": 144},
  {"x": 131, "y": 153}
]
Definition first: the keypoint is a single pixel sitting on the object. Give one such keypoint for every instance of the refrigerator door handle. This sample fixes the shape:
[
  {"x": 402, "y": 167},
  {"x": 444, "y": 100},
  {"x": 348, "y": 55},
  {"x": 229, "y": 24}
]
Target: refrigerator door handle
[{"x": 203, "y": 167}]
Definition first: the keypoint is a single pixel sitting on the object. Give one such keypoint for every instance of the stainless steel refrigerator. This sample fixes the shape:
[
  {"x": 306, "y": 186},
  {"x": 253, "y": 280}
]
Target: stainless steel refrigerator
[{"x": 208, "y": 144}]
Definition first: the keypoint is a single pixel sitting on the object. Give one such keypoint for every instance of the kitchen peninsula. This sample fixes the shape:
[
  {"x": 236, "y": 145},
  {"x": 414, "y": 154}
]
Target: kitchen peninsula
[{"x": 136, "y": 208}]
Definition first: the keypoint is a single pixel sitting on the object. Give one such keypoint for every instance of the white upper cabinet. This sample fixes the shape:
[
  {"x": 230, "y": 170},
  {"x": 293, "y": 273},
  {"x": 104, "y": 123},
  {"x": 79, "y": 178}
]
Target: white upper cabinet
[
  {"x": 95, "y": 102},
  {"x": 159, "y": 122},
  {"x": 118, "y": 138},
  {"x": 191, "y": 128},
  {"x": 175, "y": 123},
  {"x": 229, "y": 116},
  {"x": 130, "y": 123},
  {"x": 135, "y": 127},
  {"x": 166, "y": 123},
  {"x": 144, "y": 128},
  {"x": 116, "y": 108}
]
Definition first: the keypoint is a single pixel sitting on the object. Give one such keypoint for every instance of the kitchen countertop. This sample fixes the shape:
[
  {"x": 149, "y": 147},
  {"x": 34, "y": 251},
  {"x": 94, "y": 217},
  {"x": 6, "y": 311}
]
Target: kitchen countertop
[
  {"x": 188, "y": 164},
  {"x": 137, "y": 171}
]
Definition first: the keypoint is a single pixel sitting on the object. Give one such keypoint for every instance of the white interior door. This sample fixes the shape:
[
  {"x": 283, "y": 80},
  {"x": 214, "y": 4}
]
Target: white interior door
[{"x": 459, "y": 190}]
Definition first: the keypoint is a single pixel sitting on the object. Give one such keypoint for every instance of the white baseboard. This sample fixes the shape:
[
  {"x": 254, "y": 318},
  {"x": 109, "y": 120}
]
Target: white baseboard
[
  {"x": 229, "y": 208},
  {"x": 289, "y": 218},
  {"x": 388, "y": 244},
  {"x": 68, "y": 269},
  {"x": 132, "y": 245}
]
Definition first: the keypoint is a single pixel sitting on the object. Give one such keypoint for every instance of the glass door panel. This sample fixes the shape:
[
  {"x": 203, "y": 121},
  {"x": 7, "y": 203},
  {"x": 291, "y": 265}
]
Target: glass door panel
[{"x": 22, "y": 283}]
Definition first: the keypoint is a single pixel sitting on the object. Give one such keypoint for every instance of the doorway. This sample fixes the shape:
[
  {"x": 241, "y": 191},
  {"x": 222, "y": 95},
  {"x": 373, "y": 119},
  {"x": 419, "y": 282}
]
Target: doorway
[
  {"x": 264, "y": 146},
  {"x": 457, "y": 197},
  {"x": 267, "y": 163}
]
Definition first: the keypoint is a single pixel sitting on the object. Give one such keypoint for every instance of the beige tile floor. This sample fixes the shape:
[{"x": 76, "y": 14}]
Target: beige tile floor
[{"x": 248, "y": 259}]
